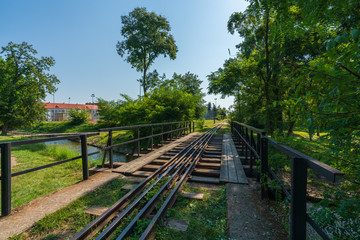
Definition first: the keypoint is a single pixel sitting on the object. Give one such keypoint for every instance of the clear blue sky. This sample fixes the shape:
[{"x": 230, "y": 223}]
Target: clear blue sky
[{"x": 81, "y": 36}]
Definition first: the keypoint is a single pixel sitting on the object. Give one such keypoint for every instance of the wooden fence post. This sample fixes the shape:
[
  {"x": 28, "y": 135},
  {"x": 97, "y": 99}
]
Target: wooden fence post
[
  {"x": 298, "y": 199},
  {"x": 84, "y": 157},
  {"x": 5, "y": 179}
]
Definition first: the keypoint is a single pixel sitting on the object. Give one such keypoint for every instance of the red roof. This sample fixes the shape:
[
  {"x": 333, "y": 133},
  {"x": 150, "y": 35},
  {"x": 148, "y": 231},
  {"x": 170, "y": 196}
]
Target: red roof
[{"x": 70, "y": 106}]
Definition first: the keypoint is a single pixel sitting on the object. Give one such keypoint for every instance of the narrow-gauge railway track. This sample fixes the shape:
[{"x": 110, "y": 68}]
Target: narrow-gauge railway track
[
  {"x": 207, "y": 169},
  {"x": 154, "y": 195}
]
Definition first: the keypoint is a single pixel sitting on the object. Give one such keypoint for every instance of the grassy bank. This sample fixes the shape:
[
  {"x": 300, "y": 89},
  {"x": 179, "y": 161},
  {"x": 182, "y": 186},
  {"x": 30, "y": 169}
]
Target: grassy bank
[
  {"x": 62, "y": 127},
  {"x": 30, "y": 186},
  {"x": 207, "y": 218}
]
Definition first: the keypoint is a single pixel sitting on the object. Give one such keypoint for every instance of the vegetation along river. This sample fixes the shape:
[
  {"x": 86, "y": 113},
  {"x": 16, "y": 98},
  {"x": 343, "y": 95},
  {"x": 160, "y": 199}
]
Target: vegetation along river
[{"x": 75, "y": 146}]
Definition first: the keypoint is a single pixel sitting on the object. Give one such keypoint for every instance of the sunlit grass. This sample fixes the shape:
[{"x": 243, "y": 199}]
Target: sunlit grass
[
  {"x": 207, "y": 217},
  {"x": 30, "y": 186}
]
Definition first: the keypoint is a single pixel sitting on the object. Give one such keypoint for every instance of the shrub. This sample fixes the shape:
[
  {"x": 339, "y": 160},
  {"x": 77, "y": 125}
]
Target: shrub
[
  {"x": 200, "y": 124},
  {"x": 59, "y": 152},
  {"x": 78, "y": 116}
]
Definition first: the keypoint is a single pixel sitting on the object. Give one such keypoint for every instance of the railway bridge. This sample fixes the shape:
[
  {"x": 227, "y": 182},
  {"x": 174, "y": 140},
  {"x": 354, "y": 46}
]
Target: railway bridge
[{"x": 170, "y": 154}]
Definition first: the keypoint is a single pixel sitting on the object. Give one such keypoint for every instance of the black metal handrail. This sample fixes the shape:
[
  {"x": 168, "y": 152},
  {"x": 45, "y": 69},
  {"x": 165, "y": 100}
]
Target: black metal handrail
[
  {"x": 300, "y": 162},
  {"x": 6, "y": 173},
  {"x": 179, "y": 128}
]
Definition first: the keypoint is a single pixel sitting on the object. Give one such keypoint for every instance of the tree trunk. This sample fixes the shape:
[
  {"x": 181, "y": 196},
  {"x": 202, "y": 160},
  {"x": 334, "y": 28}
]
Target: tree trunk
[
  {"x": 4, "y": 130},
  {"x": 144, "y": 82},
  {"x": 268, "y": 122},
  {"x": 291, "y": 128}
]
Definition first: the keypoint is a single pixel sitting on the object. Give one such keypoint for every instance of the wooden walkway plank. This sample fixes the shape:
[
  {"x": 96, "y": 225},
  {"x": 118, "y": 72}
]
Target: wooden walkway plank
[
  {"x": 231, "y": 169},
  {"x": 224, "y": 167},
  {"x": 238, "y": 165},
  {"x": 148, "y": 158},
  {"x": 231, "y": 165}
]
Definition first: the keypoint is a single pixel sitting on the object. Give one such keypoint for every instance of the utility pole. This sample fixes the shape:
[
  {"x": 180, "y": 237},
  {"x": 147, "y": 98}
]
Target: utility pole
[
  {"x": 53, "y": 111},
  {"x": 215, "y": 113},
  {"x": 92, "y": 97},
  {"x": 69, "y": 100}
]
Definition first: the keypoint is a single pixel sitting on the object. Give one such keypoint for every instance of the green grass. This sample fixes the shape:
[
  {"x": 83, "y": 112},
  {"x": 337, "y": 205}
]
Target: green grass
[
  {"x": 207, "y": 217},
  {"x": 71, "y": 219},
  {"x": 62, "y": 127},
  {"x": 30, "y": 186},
  {"x": 339, "y": 211},
  {"x": 208, "y": 124}
]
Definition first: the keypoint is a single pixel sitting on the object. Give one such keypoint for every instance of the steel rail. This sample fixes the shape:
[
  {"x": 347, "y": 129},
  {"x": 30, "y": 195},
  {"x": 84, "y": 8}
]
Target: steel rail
[
  {"x": 188, "y": 161},
  {"x": 125, "y": 200},
  {"x": 172, "y": 196},
  {"x": 112, "y": 227}
]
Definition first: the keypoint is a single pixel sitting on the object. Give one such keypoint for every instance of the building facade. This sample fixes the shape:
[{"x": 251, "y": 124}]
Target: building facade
[{"x": 60, "y": 111}]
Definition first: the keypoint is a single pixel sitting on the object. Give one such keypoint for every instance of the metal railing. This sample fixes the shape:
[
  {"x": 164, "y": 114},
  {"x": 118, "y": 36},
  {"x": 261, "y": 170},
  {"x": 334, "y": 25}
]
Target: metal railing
[
  {"x": 300, "y": 162},
  {"x": 6, "y": 173},
  {"x": 168, "y": 130}
]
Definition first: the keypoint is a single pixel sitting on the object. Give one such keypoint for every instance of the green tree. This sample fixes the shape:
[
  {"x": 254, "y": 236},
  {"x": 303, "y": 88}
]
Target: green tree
[
  {"x": 146, "y": 36},
  {"x": 176, "y": 99},
  {"x": 209, "y": 106},
  {"x": 24, "y": 82},
  {"x": 78, "y": 116}
]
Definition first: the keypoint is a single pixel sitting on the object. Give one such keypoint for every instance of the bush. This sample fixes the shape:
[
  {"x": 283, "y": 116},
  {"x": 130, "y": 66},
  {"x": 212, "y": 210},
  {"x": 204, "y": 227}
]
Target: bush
[
  {"x": 200, "y": 124},
  {"x": 78, "y": 116},
  {"x": 59, "y": 152}
]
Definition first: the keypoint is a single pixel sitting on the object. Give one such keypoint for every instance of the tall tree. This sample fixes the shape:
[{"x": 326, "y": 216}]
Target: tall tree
[
  {"x": 24, "y": 82},
  {"x": 146, "y": 36}
]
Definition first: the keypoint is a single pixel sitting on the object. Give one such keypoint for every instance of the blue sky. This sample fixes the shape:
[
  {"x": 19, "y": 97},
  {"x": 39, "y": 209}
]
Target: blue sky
[{"x": 81, "y": 36}]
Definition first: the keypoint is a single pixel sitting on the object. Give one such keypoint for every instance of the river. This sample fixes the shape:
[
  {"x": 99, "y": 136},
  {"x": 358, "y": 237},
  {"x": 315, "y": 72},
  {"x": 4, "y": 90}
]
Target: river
[{"x": 118, "y": 157}]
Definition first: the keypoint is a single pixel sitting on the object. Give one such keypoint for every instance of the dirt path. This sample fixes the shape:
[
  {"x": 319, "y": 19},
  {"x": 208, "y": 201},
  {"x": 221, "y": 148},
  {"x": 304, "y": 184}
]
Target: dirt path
[
  {"x": 249, "y": 217},
  {"x": 25, "y": 216}
]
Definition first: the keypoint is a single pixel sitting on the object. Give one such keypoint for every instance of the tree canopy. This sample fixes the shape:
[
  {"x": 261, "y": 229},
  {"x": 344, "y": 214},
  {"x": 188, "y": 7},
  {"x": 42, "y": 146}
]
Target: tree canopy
[
  {"x": 146, "y": 36},
  {"x": 175, "y": 99},
  {"x": 24, "y": 82},
  {"x": 298, "y": 66}
]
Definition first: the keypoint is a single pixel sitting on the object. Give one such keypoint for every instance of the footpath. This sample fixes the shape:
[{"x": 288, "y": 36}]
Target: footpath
[{"x": 25, "y": 216}]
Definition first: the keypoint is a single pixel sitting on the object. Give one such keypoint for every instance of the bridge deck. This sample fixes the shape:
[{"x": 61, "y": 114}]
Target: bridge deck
[
  {"x": 231, "y": 170},
  {"x": 138, "y": 163}
]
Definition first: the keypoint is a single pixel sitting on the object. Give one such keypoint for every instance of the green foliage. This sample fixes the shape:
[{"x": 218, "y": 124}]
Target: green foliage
[
  {"x": 59, "y": 152},
  {"x": 71, "y": 219},
  {"x": 64, "y": 127},
  {"x": 176, "y": 99},
  {"x": 207, "y": 218},
  {"x": 199, "y": 124},
  {"x": 299, "y": 66},
  {"x": 336, "y": 225},
  {"x": 78, "y": 116},
  {"x": 24, "y": 83},
  {"x": 146, "y": 36}
]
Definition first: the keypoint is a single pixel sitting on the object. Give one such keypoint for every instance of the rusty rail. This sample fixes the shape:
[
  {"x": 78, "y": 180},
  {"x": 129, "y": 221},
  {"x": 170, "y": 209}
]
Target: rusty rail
[{"x": 174, "y": 172}]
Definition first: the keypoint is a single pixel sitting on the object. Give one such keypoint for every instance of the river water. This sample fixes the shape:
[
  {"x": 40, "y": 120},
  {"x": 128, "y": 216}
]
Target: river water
[{"x": 76, "y": 146}]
